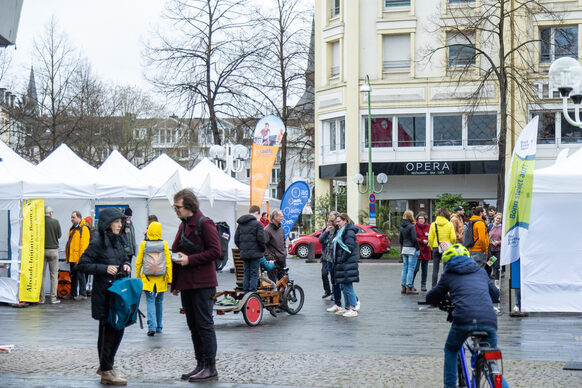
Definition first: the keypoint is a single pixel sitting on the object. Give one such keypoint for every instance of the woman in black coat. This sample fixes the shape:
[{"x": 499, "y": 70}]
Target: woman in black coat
[
  {"x": 103, "y": 258},
  {"x": 410, "y": 251},
  {"x": 346, "y": 263}
]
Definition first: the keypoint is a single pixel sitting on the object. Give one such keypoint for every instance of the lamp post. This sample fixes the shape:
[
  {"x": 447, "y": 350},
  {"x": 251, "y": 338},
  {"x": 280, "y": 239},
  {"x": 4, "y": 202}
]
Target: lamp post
[
  {"x": 566, "y": 75},
  {"x": 233, "y": 157},
  {"x": 358, "y": 178}
]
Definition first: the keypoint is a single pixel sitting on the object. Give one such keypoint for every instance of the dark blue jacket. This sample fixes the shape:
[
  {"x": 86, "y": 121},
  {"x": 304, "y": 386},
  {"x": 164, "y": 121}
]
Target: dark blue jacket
[
  {"x": 346, "y": 263},
  {"x": 471, "y": 291},
  {"x": 250, "y": 237},
  {"x": 408, "y": 235}
]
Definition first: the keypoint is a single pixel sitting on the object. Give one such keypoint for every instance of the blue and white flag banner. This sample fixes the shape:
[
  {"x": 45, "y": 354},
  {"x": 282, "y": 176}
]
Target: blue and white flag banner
[{"x": 292, "y": 204}]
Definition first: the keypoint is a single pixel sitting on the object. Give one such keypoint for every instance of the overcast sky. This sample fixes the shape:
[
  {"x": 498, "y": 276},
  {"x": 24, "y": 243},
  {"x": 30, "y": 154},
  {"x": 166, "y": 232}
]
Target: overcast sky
[{"x": 107, "y": 32}]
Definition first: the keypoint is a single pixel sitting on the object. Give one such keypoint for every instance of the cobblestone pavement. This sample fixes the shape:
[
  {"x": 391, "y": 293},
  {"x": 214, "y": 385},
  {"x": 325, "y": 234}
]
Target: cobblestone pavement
[{"x": 392, "y": 343}]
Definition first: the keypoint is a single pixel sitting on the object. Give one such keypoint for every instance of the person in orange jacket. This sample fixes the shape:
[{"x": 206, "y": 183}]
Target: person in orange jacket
[
  {"x": 79, "y": 237},
  {"x": 480, "y": 248}
]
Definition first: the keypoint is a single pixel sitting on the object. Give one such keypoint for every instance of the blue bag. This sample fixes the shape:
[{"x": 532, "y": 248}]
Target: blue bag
[{"x": 124, "y": 296}]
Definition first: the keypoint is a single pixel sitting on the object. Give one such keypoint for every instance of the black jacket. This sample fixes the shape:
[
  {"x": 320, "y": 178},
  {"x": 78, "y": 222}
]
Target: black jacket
[
  {"x": 105, "y": 250},
  {"x": 250, "y": 237},
  {"x": 408, "y": 235},
  {"x": 346, "y": 263}
]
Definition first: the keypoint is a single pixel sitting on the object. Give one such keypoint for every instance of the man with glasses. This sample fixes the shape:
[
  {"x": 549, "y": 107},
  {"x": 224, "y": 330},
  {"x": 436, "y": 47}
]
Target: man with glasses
[{"x": 194, "y": 278}]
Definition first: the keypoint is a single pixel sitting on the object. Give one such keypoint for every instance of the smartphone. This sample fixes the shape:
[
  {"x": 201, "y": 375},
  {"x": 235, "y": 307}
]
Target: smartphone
[{"x": 175, "y": 256}]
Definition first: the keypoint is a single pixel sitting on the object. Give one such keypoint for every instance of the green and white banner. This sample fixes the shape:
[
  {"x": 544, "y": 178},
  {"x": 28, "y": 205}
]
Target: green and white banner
[{"x": 518, "y": 193}]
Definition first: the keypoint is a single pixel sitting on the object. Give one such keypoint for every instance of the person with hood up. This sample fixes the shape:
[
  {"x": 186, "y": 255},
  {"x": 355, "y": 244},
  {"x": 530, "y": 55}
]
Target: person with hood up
[
  {"x": 410, "y": 247},
  {"x": 442, "y": 230},
  {"x": 250, "y": 239},
  {"x": 104, "y": 258},
  {"x": 151, "y": 251},
  {"x": 346, "y": 264},
  {"x": 473, "y": 295},
  {"x": 422, "y": 228}
]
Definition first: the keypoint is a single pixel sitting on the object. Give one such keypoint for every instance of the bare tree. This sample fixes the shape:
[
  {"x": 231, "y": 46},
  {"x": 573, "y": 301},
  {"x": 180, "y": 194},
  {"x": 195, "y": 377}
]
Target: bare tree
[
  {"x": 280, "y": 66},
  {"x": 502, "y": 58},
  {"x": 200, "y": 62}
]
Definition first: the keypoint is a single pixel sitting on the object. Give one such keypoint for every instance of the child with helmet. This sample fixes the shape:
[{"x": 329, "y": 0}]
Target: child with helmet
[{"x": 473, "y": 294}]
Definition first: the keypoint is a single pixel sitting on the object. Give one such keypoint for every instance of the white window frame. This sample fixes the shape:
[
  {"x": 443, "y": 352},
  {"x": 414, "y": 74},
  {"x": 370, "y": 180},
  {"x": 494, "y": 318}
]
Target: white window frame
[
  {"x": 457, "y": 63},
  {"x": 400, "y": 65},
  {"x": 552, "y": 46},
  {"x": 339, "y": 137}
]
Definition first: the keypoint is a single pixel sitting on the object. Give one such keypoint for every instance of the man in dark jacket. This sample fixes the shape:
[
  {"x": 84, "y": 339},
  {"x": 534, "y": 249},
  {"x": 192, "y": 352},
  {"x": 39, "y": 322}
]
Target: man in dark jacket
[
  {"x": 473, "y": 295},
  {"x": 52, "y": 234},
  {"x": 250, "y": 239},
  {"x": 194, "y": 278},
  {"x": 275, "y": 245}
]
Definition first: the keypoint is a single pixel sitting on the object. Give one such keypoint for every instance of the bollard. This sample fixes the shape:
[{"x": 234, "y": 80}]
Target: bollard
[{"x": 311, "y": 253}]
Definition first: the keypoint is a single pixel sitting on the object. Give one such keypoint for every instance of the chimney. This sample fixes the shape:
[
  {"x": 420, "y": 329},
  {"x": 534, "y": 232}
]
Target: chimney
[{"x": 12, "y": 99}]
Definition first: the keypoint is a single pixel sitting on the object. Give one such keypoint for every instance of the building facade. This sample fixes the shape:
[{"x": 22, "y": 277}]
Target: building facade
[{"x": 427, "y": 132}]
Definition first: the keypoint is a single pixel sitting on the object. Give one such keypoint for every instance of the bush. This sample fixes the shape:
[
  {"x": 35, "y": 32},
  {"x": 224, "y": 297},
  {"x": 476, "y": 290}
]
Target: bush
[{"x": 450, "y": 202}]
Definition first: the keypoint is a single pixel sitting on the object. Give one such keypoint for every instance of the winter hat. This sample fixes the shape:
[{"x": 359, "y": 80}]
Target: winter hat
[
  {"x": 128, "y": 212},
  {"x": 459, "y": 208}
]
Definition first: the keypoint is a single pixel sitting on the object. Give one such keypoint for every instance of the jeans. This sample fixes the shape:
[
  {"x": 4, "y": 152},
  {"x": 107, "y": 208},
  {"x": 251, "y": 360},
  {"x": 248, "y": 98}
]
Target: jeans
[
  {"x": 409, "y": 263},
  {"x": 336, "y": 290},
  {"x": 51, "y": 257},
  {"x": 436, "y": 261},
  {"x": 455, "y": 340},
  {"x": 77, "y": 279},
  {"x": 349, "y": 294},
  {"x": 423, "y": 266},
  {"x": 325, "y": 277},
  {"x": 197, "y": 304},
  {"x": 154, "y": 302},
  {"x": 107, "y": 344},
  {"x": 251, "y": 274}
]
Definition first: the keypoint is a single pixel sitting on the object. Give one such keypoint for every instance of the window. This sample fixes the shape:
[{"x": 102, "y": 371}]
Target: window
[
  {"x": 381, "y": 132},
  {"x": 274, "y": 192},
  {"x": 570, "y": 133},
  {"x": 248, "y": 173},
  {"x": 396, "y": 52},
  {"x": 335, "y": 8},
  {"x": 461, "y": 49},
  {"x": 139, "y": 133},
  {"x": 335, "y": 134},
  {"x": 546, "y": 128},
  {"x": 275, "y": 175},
  {"x": 396, "y": 3},
  {"x": 411, "y": 131},
  {"x": 447, "y": 130},
  {"x": 461, "y": 2},
  {"x": 481, "y": 129},
  {"x": 557, "y": 42},
  {"x": 335, "y": 59}
]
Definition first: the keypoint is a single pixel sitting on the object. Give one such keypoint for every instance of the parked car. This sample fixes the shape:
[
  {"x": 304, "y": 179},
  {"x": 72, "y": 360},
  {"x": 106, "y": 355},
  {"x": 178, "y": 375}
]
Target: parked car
[{"x": 373, "y": 243}]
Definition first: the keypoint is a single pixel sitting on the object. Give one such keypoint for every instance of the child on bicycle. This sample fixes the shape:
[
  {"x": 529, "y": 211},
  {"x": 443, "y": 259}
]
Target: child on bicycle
[{"x": 473, "y": 295}]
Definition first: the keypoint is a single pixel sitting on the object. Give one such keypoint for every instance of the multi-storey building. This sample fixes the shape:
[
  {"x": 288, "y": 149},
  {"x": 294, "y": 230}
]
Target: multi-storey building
[{"x": 425, "y": 135}]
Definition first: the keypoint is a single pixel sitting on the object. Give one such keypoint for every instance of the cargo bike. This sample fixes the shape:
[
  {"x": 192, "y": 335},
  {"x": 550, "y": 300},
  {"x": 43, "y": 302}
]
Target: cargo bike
[{"x": 284, "y": 295}]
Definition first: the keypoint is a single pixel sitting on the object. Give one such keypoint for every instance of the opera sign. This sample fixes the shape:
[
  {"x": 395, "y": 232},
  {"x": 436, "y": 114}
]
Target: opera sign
[{"x": 428, "y": 168}]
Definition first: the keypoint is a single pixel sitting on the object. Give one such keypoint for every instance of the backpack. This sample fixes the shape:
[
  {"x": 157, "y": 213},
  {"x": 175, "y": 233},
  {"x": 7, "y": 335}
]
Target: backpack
[
  {"x": 154, "y": 260},
  {"x": 223, "y": 236},
  {"x": 468, "y": 239},
  {"x": 124, "y": 296}
]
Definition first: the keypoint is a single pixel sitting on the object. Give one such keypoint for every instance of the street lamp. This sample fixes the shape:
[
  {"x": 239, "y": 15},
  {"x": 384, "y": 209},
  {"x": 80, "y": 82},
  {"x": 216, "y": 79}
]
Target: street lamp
[
  {"x": 566, "y": 76},
  {"x": 233, "y": 157},
  {"x": 359, "y": 178}
]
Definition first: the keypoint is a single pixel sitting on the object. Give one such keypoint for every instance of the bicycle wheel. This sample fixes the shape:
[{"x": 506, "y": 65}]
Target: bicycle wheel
[
  {"x": 293, "y": 299},
  {"x": 461, "y": 373},
  {"x": 482, "y": 374}
]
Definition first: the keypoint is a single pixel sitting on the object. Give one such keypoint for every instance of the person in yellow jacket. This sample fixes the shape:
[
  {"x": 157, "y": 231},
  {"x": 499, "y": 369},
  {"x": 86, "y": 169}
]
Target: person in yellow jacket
[
  {"x": 154, "y": 266},
  {"x": 79, "y": 238},
  {"x": 446, "y": 233}
]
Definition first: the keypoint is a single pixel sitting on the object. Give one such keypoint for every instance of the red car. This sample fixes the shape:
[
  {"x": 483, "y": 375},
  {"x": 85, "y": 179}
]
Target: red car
[{"x": 373, "y": 243}]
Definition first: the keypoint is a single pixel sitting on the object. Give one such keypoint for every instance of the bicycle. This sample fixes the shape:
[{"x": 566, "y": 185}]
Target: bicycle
[{"x": 484, "y": 360}]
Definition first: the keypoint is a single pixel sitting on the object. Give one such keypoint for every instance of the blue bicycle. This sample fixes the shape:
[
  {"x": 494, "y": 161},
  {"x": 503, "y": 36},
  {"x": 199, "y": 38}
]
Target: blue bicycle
[{"x": 478, "y": 364}]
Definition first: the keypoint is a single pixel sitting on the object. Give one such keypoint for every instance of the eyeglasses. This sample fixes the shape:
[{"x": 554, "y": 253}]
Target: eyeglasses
[{"x": 176, "y": 207}]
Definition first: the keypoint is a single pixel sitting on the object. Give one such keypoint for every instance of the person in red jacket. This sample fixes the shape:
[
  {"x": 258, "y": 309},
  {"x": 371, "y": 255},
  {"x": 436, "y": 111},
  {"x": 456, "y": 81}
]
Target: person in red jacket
[
  {"x": 264, "y": 219},
  {"x": 422, "y": 228},
  {"x": 194, "y": 278}
]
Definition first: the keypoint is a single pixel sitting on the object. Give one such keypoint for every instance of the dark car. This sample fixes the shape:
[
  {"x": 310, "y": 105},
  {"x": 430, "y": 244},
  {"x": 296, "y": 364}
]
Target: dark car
[{"x": 373, "y": 243}]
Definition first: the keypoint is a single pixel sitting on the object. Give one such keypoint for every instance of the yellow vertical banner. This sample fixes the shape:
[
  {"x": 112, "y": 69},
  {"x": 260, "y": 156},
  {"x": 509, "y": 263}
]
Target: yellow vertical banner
[
  {"x": 32, "y": 259},
  {"x": 269, "y": 133}
]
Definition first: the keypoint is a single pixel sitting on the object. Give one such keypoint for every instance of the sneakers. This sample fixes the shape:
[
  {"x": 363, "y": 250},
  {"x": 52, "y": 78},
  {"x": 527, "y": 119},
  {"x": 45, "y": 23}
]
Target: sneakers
[
  {"x": 350, "y": 313},
  {"x": 341, "y": 311},
  {"x": 333, "y": 309},
  {"x": 80, "y": 297},
  {"x": 55, "y": 301},
  {"x": 497, "y": 283},
  {"x": 357, "y": 308},
  {"x": 151, "y": 333},
  {"x": 515, "y": 309},
  {"x": 423, "y": 288},
  {"x": 326, "y": 295}
]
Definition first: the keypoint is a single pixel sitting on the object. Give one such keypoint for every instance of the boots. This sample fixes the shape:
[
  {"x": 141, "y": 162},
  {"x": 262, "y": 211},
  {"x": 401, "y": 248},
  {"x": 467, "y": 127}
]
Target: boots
[
  {"x": 109, "y": 378},
  {"x": 208, "y": 373},
  {"x": 199, "y": 367},
  {"x": 411, "y": 290},
  {"x": 403, "y": 291}
]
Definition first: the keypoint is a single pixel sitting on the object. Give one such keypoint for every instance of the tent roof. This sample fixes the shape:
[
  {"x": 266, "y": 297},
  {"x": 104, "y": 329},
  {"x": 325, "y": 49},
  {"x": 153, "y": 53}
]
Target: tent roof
[
  {"x": 160, "y": 169},
  {"x": 209, "y": 180},
  {"x": 67, "y": 164},
  {"x": 117, "y": 177}
]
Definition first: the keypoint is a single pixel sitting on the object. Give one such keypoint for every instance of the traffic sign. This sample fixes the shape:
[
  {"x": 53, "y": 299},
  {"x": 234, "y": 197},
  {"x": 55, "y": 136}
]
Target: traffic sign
[{"x": 372, "y": 198}]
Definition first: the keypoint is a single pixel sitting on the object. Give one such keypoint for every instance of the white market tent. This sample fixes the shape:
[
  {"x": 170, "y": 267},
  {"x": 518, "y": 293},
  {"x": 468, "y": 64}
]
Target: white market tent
[{"x": 551, "y": 257}]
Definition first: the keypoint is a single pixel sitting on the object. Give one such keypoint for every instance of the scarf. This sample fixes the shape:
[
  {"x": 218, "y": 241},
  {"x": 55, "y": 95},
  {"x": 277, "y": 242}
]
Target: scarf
[{"x": 338, "y": 240}]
